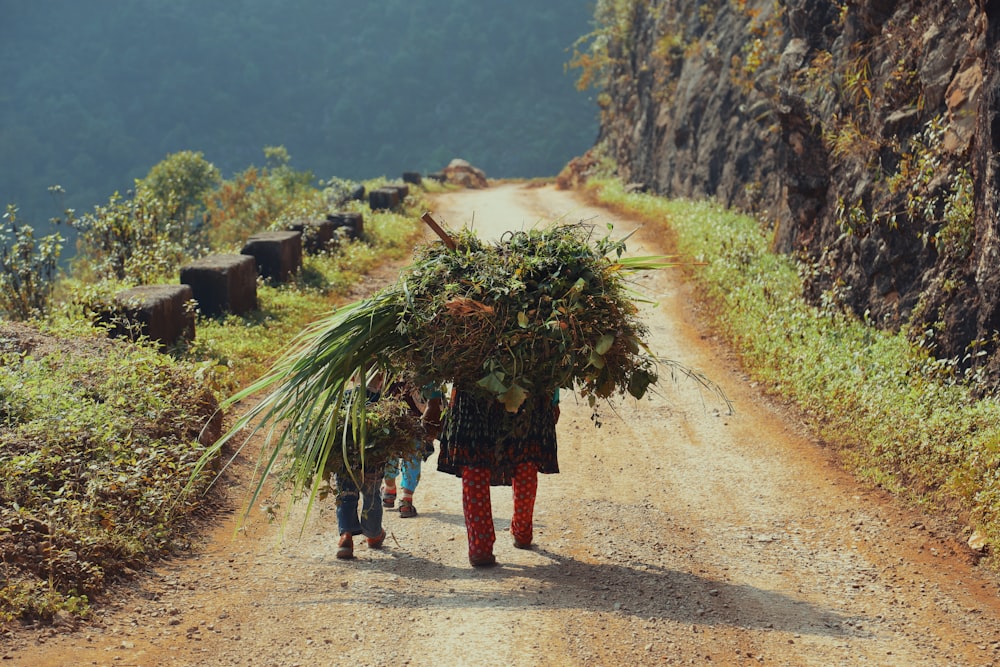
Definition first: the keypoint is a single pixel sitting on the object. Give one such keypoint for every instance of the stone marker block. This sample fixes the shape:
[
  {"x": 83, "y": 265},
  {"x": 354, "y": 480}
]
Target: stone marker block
[
  {"x": 349, "y": 223},
  {"x": 358, "y": 193},
  {"x": 317, "y": 235},
  {"x": 383, "y": 199},
  {"x": 412, "y": 177},
  {"x": 223, "y": 283},
  {"x": 278, "y": 254},
  {"x": 157, "y": 312}
]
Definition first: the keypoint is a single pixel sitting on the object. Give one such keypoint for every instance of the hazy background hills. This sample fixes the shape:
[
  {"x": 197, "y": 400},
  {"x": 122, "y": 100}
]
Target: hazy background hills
[{"x": 95, "y": 93}]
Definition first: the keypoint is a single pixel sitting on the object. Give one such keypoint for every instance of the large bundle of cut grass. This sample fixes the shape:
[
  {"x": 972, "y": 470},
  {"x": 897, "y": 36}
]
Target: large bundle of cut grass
[
  {"x": 386, "y": 429},
  {"x": 537, "y": 311},
  {"x": 390, "y": 430}
]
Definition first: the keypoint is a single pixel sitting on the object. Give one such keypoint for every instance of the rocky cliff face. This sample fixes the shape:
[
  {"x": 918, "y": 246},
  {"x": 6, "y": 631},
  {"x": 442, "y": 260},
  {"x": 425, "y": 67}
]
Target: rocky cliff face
[{"x": 864, "y": 134}]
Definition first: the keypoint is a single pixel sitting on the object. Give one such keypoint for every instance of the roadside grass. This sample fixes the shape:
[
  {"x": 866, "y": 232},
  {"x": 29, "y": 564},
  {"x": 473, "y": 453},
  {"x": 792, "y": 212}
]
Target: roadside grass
[
  {"x": 98, "y": 438},
  {"x": 900, "y": 419}
]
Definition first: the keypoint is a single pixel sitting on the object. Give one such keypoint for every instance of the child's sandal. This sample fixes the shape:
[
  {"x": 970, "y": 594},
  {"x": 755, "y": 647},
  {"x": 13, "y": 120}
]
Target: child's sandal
[
  {"x": 345, "y": 548},
  {"x": 388, "y": 498},
  {"x": 377, "y": 542},
  {"x": 406, "y": 509}
]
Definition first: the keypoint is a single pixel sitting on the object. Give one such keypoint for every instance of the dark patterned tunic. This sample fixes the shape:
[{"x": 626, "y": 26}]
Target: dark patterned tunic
[{"x": 480, "y": 433}]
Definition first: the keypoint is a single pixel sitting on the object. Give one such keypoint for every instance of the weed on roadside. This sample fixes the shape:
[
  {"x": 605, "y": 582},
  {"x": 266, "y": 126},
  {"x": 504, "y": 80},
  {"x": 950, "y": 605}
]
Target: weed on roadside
[{"x": 901, "y": 419}]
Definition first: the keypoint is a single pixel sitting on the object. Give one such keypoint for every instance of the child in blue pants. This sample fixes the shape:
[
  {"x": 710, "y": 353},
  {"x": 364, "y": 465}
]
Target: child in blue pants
[
  {"x": 410, "y": 468},
  {"x": 410, "y": 471}
]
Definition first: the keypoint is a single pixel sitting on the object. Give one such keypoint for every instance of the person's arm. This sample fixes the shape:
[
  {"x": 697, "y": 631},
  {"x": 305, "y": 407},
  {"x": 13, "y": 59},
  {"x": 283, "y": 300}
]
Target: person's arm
[{"x": 431, "y": 418}]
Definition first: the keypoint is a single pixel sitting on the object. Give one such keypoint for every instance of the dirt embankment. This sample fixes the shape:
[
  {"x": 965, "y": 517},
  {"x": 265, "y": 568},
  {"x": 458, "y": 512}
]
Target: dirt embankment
[{"x": 676, "y": 533}]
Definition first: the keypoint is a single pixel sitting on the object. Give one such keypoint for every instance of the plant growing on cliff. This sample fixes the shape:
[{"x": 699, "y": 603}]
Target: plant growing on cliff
[
  {"x": 957, "y": 232},
  {"x": 855, "y": 82},
  {"x": 846, "y": 140},
  {"x": 594, "y": 53},
  {"x": 760, "y": 52}
]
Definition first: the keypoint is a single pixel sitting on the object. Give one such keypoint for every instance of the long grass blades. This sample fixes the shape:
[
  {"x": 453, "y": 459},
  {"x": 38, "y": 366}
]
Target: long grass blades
[{"x": 309, "y": 387}]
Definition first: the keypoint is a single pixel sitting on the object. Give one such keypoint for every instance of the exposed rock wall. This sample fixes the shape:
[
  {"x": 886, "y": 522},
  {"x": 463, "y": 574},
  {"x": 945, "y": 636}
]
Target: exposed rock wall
[{"x": 863, "y": 134}]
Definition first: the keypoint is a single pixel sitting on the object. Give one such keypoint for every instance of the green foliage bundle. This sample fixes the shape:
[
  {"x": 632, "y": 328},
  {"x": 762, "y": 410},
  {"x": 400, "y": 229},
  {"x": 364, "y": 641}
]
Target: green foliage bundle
[
  {"x": 540, "y": 310},
  {"x": 390, "y": 429},
  {"x": 387, "y": 428},
  {"x": 28, "y": 268}
]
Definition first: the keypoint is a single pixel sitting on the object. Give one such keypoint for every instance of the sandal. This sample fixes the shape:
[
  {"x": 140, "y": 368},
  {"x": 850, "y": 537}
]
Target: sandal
[
  {"x": 489, "y": 560},
  {"x": 376, "y": 542},
  {"x": 406, "y": 509},
  {"x": 521, "y": 544},
  {"x": 345, "y": 548},
  {"x": 388, "y": 498}
]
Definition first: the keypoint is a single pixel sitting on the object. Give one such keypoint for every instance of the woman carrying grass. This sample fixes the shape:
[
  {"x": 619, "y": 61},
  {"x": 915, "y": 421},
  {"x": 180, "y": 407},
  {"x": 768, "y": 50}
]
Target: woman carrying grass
[{"x": 488, "y": 446}]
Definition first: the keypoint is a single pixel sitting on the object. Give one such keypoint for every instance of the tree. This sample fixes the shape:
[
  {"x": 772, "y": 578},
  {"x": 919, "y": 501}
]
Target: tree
[{"x": 182, "y": 178}]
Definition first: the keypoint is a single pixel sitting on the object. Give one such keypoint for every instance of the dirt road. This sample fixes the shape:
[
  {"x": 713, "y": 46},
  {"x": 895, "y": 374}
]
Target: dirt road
[{"x": 675, "y": 534}]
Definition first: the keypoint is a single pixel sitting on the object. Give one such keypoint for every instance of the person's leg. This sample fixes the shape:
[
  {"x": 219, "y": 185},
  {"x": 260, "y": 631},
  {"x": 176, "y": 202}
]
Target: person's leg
[
  {"x": 410, "y": 477},
  {"x": 525, "y": 486},
  {"x": 389, "y": 483},
  {"x": 478, "y": 515},
  {"x": 347, "y": 515},
  {"x": 371, "y": 509}
]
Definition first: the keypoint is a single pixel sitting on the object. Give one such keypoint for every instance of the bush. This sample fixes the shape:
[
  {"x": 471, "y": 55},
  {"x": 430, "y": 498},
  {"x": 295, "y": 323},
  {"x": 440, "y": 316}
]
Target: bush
[
  {"x": 93, "y": 464},
  {"x": 133, "y": 239},
  {"x": 28, "y": 269}
]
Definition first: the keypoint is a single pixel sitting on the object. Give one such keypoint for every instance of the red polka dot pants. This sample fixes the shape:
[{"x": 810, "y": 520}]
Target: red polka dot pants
[
  {"x": 478, "y": 509},
  {"x": 525, "y": 485}
]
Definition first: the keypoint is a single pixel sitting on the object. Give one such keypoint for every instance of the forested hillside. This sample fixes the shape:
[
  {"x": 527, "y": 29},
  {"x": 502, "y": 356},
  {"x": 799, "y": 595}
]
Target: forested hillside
[{"x": 96, "y": 93}]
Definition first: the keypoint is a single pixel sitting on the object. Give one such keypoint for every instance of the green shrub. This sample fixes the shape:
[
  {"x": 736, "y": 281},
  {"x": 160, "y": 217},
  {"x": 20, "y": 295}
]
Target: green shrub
[
  {"x": 28, "y": 268},
  {"x": 132, "y": 239},
  {"x": 92, "y": 465}
]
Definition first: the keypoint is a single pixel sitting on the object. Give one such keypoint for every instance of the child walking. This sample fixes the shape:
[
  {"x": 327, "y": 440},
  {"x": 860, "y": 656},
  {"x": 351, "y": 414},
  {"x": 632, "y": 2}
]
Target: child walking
[
  {"x": 369, "y": 521},
  {"x": 426, "y": 403}
]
